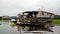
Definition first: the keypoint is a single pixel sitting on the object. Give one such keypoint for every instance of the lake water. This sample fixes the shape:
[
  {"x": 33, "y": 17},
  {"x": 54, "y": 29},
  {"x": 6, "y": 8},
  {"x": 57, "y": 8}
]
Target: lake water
[{"x": 6, "y": 29}]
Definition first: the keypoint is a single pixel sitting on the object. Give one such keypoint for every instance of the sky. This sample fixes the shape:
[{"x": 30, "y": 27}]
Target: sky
[{"x": 13, "y": 7}]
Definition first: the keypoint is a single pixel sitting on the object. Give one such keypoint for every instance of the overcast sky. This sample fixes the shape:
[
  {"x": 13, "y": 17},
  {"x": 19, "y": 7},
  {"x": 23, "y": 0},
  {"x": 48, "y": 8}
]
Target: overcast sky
[{"x": 13, "y": 7}]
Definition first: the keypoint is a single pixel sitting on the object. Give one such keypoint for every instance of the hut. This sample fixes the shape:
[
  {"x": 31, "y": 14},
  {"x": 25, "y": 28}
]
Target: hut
[{"x": 36, "y": 20}]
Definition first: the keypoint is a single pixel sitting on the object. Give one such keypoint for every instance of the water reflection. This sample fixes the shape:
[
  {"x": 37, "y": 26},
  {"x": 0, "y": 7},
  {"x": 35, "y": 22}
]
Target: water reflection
[
  {"x": 5, "y": 21},
  {"x": 5, "y": 28}
]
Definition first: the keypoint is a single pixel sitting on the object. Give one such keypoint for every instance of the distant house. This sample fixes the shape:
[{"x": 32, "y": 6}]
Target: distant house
[
  {"x": 5, "y": 17},
  {"x": 57, "y": 16}
]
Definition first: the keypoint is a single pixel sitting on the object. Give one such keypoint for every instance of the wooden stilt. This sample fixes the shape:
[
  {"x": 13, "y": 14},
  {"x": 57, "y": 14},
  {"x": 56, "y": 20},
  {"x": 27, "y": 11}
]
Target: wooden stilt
[
  {"x": 21, "y": 30},
  {"x": 38, "y": 33},
  {"x": 34, "y": 32}
]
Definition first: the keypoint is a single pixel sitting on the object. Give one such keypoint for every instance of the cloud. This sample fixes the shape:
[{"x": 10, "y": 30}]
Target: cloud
[{"x": 12, "y": 7}]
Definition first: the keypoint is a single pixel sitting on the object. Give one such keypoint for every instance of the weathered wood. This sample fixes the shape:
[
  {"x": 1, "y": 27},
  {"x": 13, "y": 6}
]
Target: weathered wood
[
  {"x": 37, "y": 20},
  {"x": 35, "y": 32},
  {"x": 38, "y": 33}
]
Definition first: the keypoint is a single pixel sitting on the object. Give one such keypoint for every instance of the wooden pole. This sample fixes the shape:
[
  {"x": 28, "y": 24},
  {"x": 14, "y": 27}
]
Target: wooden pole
[
  {"x": 38, "y": 33},
  {"x": 34, "y": 32},
  {"x": 21, "y": 30}
]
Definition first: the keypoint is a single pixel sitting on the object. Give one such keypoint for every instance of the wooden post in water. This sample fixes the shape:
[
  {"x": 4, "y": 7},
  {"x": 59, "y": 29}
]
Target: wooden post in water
[
  {"x": 38, "y": 33},
  {"x": 21, "y": 30},
  {"x": 35, "y": 32}
]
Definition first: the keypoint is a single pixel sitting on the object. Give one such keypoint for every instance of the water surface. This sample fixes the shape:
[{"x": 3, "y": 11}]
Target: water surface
[{"x": 6, "y": 29}]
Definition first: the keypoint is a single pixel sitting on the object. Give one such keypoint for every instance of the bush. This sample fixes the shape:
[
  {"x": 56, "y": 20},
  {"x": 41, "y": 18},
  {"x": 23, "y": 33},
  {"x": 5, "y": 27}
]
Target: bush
[
  {"x": 56, "y": 21},
  {"x": 12, "y": 24}
]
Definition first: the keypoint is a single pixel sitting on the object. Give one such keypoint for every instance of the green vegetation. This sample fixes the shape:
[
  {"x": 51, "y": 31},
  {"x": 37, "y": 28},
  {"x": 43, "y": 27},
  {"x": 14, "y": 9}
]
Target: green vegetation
[
  {"x": 56, "y": 21},
  {"x": 12, "y": 25}
]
